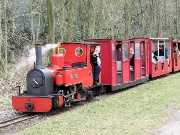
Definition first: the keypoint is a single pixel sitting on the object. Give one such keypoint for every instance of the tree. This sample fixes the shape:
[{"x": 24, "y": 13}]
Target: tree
[
  {"x": 0, "y": 35},
  {"x": 127, "y": 20},
  {"x": 70, "y": 20},
  {"x": 5, "y": 42},
  {"x": 50, "y": 17},
  {"x": 91, "y": 20}
]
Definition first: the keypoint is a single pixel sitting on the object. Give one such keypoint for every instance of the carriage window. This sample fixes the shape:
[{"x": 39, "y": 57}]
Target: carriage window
[
  {"x": 147, "y": 49},
  {"x": 142, "y": 48},
  {"x": 137, "y": 45},
  {"x": 178, "y": 44},
  {"x": 78, "y": 51},
  {"x": 113, "y": 52},
  {"x": 155, "y": 46},
  {"x": 125, "y": 51},
  {"x": 167, "y": 46},
  {"x": 62, "y": 51}
]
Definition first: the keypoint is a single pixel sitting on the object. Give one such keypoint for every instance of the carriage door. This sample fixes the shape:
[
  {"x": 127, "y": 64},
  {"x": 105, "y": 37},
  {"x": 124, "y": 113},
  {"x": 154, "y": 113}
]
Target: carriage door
[
  {"x": 125, "y": 62},
  {"x": 137, "y": 61},
  {"x": 144, "y": 58},
  {"x": 114, "y": 65},
  {"x": 146, "y": 55}
]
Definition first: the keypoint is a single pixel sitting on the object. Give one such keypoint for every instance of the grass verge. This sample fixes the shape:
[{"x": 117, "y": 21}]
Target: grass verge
[{"x": 137, "y": 111}]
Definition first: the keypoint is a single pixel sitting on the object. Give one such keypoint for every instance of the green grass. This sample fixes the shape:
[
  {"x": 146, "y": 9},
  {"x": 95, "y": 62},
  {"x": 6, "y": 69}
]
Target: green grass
[{"x": 138, "y": 111}]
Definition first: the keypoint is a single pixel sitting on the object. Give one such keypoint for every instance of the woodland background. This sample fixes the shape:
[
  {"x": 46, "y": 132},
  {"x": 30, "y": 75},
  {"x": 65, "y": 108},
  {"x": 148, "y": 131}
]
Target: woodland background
[{"x": 24, "y": 22}]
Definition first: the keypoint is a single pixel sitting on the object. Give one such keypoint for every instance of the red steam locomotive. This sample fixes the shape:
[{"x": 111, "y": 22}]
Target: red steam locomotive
[{"x": 69, "y": 78}]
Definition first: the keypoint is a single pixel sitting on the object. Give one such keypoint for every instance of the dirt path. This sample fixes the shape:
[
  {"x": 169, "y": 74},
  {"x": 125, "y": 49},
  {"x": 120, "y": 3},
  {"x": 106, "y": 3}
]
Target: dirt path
[{"x": 172, "y": 127}]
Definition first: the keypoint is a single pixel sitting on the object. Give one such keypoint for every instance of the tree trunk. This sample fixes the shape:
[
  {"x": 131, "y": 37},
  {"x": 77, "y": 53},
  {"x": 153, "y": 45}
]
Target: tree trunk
[
  {"x": 5, "y": 42},
  {"x": 70, "y": 21},
  {"x": 127, "y": 20},
  {"x": 142, "y": 17},
  {"x": 32, "y": 25},
  {"x": 51, "y": 25},
  {"x": 0, "y": 35},
  {"x": 91, "y": 20},
  {"x": 12, "y": 55},
  {"x": 62, "y": 24},
  {"x": 177, "y": 25}
]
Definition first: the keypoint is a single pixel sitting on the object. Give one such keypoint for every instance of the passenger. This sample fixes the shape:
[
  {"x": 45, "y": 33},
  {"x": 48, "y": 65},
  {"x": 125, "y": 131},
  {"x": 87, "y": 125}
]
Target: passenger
[
  {"x": 154, "y": 58},
  {"x": 161, "y": 50},
  {"x": 96, "y": 62},
  {"x": 118, "y": 51},
  {"x": 131, "y": 59},
  {"x": 178, "y": 49},
  {"x": 175, "y": 49},
  {"x": 166, "y": 54}
]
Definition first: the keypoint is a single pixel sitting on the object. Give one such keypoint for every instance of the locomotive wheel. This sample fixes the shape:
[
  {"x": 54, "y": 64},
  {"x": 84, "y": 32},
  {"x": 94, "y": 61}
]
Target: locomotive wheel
[{"x": 90, "y": 96}]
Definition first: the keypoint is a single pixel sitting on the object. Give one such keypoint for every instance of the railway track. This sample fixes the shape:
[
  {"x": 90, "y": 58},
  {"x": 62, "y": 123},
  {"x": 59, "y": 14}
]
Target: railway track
[{"x": 16, "y": 120}]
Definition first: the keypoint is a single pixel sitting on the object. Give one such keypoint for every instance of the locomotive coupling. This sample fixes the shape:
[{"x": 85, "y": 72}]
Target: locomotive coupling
[{"x": 29, "y": 106}]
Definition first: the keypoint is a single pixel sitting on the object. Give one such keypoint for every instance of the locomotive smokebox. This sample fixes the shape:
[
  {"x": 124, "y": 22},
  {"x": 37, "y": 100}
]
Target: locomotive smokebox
[{"x": 38, "y": 47}]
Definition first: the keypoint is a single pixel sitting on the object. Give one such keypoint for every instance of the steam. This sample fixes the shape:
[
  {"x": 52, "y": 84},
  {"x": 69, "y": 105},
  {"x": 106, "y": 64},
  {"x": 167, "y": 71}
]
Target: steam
[{"x": 31, "y": 58}]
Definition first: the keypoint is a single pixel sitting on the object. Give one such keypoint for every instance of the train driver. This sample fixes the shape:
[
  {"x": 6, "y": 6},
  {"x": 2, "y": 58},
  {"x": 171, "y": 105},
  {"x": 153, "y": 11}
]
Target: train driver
[{"x": 96, "y": 62}]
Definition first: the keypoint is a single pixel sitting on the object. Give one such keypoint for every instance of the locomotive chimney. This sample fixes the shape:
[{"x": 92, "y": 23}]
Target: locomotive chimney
[{"x": 38, "y": 47}]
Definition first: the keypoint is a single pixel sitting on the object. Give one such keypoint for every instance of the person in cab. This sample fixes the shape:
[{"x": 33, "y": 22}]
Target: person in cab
[{"x": 96, "y": 62}]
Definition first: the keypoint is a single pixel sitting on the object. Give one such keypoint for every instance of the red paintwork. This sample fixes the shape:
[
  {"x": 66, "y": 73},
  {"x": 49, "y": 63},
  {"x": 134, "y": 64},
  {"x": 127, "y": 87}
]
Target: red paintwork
[
  {"x": 159, "y": 71},
  {"x": 144, "y": 42},
  {"x": 176, "y": 66},
  {"x": 126, "y": 71},
  {"x": 41, "y": 104},
  {"x": 61, "y": 102},
  {"x": 147, "y": 57},
  {"x": 108, "y": 63},
  {"x": 58, "y": 60},
  {"x": 78, "y": 96},
  {"x": 71, "y": 75},
  {"x": 70, "y": 56},
  {"x": 108, "y": 76},
  {"x": 109, "y": 68},
  {"x": 79, "y": 75},
  {"x": 137, "y": 61},
  {"x": 58, "y": 79},
  {"x": 125, "y": 63}
]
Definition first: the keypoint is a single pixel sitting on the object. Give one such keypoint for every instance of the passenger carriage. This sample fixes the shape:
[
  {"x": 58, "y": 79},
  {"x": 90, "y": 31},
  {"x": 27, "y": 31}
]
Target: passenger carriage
[
  {"x": 118, "y": 74},
  {"x": 164, "y": 64}
]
